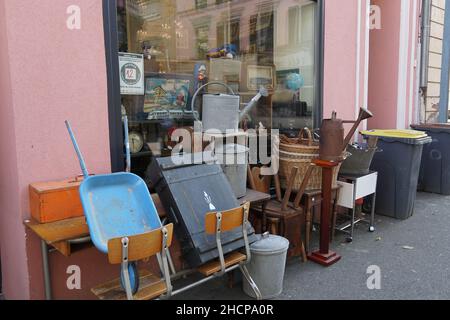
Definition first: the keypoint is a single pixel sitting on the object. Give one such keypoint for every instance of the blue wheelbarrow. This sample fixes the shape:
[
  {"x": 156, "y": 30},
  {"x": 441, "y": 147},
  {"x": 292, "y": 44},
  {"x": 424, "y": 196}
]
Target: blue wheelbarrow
[{"x": 116, "y": 205}]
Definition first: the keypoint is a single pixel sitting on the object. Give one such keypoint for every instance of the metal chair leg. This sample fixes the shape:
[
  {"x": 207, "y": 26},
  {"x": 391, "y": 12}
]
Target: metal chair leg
[
  {"x": 372, "y": 213},
  {"x": 250, "y": 280},
  {"x": 124, "y": 271}
]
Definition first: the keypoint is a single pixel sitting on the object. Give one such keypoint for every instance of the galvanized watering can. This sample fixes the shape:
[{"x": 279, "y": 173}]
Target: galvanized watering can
[{"x": 221, "y": 112}]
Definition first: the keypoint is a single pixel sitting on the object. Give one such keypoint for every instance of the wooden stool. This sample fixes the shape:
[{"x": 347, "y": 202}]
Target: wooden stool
[
  {"x": 287, "y": 224},
  {"x": 278, "y": 215}
]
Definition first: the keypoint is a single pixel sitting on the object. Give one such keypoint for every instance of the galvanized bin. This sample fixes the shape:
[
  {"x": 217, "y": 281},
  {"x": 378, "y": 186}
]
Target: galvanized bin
[
  {"x": 234, "y": 160},
  {"x": 267, "y": 266},
  {"x": 358, "y": 163}
]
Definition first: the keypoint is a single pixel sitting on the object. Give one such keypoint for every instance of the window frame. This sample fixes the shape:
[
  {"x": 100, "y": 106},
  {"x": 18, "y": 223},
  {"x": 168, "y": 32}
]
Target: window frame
[{"x": 116, "y": 132}]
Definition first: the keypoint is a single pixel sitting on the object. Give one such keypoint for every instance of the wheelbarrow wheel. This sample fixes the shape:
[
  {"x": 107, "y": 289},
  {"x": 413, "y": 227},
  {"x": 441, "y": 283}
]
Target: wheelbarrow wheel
[{"x": 134, "y": 278}]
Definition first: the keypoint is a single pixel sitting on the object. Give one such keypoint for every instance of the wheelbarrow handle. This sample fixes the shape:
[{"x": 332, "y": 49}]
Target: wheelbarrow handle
[
  {"x": 77, "y": 150},
  {"x": 127, "y": 144}
]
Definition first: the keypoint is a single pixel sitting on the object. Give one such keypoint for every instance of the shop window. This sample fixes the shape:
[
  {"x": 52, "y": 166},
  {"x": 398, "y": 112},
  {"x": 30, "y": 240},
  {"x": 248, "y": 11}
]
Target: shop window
[{"x": 242, "y": 43}]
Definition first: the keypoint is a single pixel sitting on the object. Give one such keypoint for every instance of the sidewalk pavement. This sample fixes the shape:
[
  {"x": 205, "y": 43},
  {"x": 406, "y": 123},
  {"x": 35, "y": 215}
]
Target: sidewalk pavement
[{"x": 413, "y": 256}]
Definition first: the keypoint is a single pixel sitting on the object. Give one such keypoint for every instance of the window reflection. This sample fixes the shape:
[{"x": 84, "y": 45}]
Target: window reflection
[{"x": 243, "y": 43}]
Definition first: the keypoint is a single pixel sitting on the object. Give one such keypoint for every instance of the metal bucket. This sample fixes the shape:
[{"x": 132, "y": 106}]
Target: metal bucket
[
  {"x": 267, "y": 265},
  {"x": 234, "y": 160},
  {"x": 360, "y": 160}
]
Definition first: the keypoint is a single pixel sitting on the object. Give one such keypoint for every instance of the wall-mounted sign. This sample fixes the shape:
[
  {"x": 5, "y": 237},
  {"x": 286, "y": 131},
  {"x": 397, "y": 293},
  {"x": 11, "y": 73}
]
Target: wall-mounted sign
[{"x": 131, "y": 73}]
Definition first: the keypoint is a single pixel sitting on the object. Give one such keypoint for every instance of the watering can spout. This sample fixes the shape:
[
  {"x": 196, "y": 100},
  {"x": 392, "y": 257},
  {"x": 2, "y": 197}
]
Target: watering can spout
[
  {"x": 364, "y": 114},
  {"x": 263, "y": 92}
]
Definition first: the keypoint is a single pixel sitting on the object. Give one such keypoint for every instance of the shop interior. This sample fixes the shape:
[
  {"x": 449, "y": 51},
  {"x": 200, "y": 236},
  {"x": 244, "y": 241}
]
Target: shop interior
[{"x": 243, "y": 44}]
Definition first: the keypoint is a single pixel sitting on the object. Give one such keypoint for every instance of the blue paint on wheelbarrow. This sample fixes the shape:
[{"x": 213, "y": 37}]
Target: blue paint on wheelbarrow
[{"x": 117, "y": 205}]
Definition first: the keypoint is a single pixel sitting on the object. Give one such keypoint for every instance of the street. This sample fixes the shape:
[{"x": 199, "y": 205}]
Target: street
[{"x": 412, "y": 255}]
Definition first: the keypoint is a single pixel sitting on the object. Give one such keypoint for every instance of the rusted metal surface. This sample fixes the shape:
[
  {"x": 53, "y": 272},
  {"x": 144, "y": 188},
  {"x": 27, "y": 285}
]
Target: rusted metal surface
[{"x": 332, "y": 141}]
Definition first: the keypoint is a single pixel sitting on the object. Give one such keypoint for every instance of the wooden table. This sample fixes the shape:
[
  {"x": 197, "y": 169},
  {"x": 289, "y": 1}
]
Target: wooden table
[
  {"x": 255, "y": 197},
  {"x": 62, "y": 235}
]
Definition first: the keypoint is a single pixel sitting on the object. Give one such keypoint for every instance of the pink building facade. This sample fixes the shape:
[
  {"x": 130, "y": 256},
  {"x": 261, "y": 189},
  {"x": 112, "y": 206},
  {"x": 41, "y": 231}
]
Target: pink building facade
[{"x": 51, "y": 73}]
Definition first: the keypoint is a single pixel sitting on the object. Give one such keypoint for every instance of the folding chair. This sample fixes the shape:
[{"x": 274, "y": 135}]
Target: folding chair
[
  {"x": 217, "y": 223},
  {"x": 125, "y": 250}
]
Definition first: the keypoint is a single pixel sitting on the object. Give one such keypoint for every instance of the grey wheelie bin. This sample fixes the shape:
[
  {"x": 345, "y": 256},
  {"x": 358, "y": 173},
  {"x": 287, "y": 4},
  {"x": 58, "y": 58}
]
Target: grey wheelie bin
[
  {"x": 435, "y": 169},
  {"x": 398, "y": 166}
]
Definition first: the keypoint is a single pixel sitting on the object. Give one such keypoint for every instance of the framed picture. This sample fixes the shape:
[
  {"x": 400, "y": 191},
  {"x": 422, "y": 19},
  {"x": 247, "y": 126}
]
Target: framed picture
[
  {"x": 258, "y": 76},
  {"x": 166, "y": 92}
]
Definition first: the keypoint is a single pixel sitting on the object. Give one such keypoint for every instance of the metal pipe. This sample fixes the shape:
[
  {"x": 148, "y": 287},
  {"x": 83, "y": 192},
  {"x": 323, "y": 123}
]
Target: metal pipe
[
  {"x": 425, "y": 39},
  {"x": 202, "y": 281},
  {"x": 46, "y": 270},
  {"x": 127, "y": 144},
  {"x": 77, "y": 150}
]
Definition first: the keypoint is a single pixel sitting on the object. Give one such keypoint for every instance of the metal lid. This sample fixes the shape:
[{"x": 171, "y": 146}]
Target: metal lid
[
  {"x": 403, "y": 134},
  {"x": 231, "y": 149},
  {"x": 270, "y": 244}
]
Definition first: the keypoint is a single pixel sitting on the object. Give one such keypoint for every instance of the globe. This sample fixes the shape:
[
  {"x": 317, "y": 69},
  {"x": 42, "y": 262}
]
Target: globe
[{"x": 294, "y": 81}]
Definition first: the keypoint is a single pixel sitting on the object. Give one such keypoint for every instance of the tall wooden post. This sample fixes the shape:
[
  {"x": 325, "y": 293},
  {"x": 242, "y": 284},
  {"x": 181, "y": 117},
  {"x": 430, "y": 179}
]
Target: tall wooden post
[{"x": 324, "y": 256}]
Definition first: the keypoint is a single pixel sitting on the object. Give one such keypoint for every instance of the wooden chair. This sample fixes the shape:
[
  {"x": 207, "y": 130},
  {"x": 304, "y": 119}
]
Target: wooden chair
[
  {"x": 134, "y": 248},
  {"x": 129, "y": 249},
  {"x": 217, "y": 223},
  {"x": 279, "y": 215}
]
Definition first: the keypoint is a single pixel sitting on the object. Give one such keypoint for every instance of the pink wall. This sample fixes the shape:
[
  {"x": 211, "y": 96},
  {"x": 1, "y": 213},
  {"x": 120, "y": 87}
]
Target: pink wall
[
  {"x": 341, "y": 25},
  {"x": 12, "y": 234},
  {"x": 383, "y": 72},
  {"x": 384, "y": 67},
  {"x": 56, "y": 74}
]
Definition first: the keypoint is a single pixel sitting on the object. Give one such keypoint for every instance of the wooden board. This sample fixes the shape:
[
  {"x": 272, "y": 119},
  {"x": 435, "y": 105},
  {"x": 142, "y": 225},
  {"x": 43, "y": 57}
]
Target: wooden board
[
  {"x": 63, "y": 247},
  {"x": 230, "y": 220},
  {"x": 214, "y": 266},
  {"x": 140, "y": 246},
  {"x": 58, "y": 231},
  {"x": 72, "y": 228},
  {"x": 254, "y": 197},
  {"x": 150, "y": 287}
]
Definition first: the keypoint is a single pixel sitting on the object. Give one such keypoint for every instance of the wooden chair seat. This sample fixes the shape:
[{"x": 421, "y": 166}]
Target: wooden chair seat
[
  {"x": 150, "y": 287},
  {"x": 213, "y": 267},
  {"x": 273, "y": 208}
]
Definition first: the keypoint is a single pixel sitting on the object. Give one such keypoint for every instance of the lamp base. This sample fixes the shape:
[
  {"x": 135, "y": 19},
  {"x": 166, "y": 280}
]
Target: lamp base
[{"x": 325, "y": 260}]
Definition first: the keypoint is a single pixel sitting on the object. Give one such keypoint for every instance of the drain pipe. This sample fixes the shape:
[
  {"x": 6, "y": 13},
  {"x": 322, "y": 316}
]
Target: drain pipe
[{"x": 425, "y": 47}]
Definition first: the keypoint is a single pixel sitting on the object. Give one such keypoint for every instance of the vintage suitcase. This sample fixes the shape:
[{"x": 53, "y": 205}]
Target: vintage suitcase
[
  {"x": 188, "y": 192},
  {"x": 56, "y": 200}
]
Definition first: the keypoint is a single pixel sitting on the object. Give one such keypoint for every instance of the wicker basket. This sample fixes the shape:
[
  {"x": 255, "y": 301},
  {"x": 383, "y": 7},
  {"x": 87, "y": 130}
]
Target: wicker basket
[
  {"x": 300, "y": 152},
  {"x": 300, "y": 144},
  {"x": 315, "y": 181}
]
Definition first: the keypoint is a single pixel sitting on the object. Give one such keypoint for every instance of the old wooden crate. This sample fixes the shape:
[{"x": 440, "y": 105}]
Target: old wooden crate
[{"x": 55, "y": 200}]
